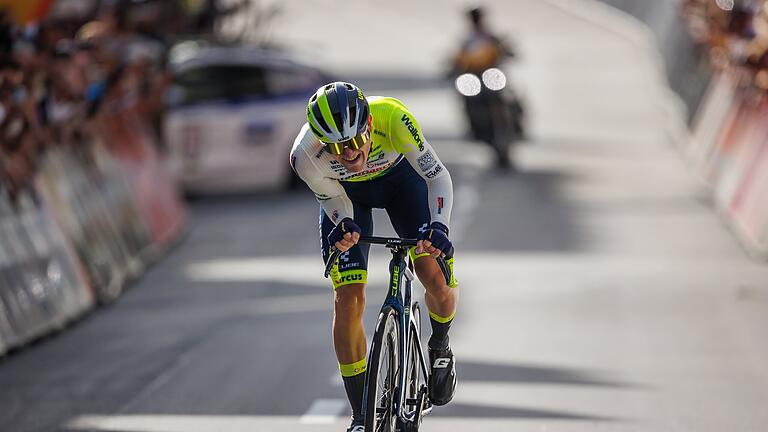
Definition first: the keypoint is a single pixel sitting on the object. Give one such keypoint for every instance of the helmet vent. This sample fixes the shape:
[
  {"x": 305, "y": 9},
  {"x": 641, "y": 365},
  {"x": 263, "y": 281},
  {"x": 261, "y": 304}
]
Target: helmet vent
[
  {"x": 352, "y": 112},
  {"x": 319, "y": 117}
]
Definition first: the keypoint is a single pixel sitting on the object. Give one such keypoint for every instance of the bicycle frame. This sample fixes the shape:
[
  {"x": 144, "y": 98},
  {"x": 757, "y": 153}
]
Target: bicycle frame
[{"x": 399, "y": 297}]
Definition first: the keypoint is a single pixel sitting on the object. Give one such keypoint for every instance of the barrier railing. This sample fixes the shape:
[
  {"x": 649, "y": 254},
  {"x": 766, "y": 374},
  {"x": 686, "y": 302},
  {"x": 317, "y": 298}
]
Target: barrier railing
[
  {"x": 729, "y": 149},
  {"x": 77, "y": 235}
]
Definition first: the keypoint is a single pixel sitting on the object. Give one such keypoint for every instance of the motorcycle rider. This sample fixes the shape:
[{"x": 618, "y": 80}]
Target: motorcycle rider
[{"x": 480, "y": 51}]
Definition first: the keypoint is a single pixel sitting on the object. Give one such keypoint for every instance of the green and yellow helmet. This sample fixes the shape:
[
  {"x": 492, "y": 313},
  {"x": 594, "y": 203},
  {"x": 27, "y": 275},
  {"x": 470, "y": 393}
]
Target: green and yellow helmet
[{"x": 338, "y": 112}]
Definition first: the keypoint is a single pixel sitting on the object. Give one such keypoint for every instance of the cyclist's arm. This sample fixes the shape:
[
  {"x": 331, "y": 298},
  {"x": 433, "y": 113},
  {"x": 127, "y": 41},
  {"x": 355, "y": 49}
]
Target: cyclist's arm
[
  {"x": 329, "y": 192},
  {"x": 424, "y": 160}
]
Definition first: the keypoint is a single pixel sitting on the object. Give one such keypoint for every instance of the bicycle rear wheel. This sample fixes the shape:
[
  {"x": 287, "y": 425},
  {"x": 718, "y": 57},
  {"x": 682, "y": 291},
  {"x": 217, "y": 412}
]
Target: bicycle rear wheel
[{"x": 379, "y": 409}]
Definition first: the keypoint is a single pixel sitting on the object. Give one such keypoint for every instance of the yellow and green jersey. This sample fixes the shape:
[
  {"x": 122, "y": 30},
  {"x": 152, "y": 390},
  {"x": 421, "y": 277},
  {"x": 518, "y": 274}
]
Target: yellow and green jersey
[{"x": 396, "y": 136}]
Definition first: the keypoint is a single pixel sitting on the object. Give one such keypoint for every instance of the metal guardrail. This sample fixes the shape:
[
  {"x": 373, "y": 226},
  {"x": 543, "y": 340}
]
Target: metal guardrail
[{"x": 70, "y": 241}]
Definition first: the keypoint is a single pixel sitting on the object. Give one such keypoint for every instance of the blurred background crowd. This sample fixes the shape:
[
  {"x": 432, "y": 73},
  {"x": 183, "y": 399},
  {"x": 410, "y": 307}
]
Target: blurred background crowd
[
  {"x": 75, "y": 72},
  {"x": 734, "y": 35}
]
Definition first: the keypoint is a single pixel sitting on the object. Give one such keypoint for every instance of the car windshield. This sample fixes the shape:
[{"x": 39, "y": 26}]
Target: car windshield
[{"x": 221, "y": 82}]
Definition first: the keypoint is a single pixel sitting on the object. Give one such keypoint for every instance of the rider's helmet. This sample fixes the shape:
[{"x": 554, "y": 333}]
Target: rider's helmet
[
  {"x": 338, "y": 112},
  {"x": 475, "y": 14}
]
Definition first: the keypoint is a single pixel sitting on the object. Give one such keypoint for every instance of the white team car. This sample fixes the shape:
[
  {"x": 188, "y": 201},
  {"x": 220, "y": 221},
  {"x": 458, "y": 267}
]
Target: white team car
[{"x": 233, "y": 113}]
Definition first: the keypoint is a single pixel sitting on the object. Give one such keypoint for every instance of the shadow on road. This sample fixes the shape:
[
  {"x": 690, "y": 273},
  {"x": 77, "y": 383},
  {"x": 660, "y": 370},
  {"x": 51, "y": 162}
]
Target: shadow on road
[
  {"x": 523, "y": 212},
  {"x": 488, "y": 411},
  {"x": 532, "y": 374}
]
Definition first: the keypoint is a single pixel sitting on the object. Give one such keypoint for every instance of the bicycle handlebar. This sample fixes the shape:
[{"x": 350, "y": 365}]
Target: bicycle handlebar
[{"x": 390, "y": 241}]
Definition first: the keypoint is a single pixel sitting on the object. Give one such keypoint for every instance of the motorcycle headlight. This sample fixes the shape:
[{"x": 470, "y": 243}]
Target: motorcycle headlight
[
  {"x": 468, "y": 84},
  {"x": 494, "y": 79}
]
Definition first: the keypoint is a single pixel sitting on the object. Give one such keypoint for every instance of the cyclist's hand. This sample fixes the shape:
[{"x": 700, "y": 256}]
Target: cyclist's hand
[
  {"x": 345, "y": 235},
  {"x": 434, "y": 240}
]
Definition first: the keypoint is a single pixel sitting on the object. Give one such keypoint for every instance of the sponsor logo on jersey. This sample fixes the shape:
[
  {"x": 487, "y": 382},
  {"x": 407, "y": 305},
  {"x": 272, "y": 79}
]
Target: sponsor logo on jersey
[
  {"x": 337, "y": 167},
  {"x": 383, "y": 166},
  {"x": 375, "y": 155},
  {"x": 439, "y": 205},
  {"x": 438, "y": 169},
  {"x": 335, "y": 215},
  {"x": 414, "y": 132},
  {"x": 379, "y": 133},
  {"x": 426, "y": 161},
  {"x": 344, "y": 257},
  {"x": 348, "y": 266},
  {"x": 350, "y": 278}
]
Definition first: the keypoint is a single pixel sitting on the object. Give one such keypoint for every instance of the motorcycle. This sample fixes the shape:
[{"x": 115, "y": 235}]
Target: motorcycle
[{"x": 494, "y": 111}]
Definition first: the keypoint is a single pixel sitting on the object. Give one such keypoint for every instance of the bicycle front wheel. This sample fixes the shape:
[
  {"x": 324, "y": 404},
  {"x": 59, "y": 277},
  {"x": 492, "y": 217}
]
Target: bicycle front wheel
[
  {"x": 380, "y": 412},
  {"x": 415, "y": 381}
]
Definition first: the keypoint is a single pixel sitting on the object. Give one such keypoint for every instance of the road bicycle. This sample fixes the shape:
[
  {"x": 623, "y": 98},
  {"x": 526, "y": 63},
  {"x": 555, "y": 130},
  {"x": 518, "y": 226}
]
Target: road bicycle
[{"x": 395, "y": 398}]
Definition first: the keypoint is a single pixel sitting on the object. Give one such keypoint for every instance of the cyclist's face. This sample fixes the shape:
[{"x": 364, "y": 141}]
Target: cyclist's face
[{"x": 354, "y": 160}]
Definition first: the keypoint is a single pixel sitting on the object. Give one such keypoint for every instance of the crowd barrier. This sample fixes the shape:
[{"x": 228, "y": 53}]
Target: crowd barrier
[
  {"x": 729, "y": 149},
  {"x": 92, "y": 220},
  {"x": 728, "y": 141},
  {"x": 42, "y": 286}
]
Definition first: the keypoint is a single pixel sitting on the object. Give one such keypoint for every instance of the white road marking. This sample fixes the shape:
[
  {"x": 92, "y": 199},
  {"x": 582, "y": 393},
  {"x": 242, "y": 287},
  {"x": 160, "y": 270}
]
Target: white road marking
[
  {"x": 306, "y": 269},
  {"x": 192, "y": 423},
  {"x": 324, "y": 411}
]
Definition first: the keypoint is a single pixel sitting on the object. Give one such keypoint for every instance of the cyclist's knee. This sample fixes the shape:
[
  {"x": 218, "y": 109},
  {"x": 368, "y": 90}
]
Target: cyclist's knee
[
  {"x": 431, "y": 276},
  {"x": 349, "y": 302}
]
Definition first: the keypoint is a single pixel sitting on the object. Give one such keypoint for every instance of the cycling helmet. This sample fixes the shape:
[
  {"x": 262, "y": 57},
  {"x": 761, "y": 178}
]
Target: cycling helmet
[
  {"x": 338, "y": 112},
  {"x": 475, "y": 14}
]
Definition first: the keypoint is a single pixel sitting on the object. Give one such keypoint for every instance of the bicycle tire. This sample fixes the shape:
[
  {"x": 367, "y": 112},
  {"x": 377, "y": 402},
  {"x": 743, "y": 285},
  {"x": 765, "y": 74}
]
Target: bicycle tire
[
  {"x": 382, "y": 372},
  {"x": 414, "y": 379},
  {"x": 412, "y": 368}
]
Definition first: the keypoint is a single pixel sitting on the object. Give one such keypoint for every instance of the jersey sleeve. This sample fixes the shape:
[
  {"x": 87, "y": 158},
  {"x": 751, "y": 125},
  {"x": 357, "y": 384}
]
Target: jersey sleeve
[
  {"x": 408, "y": 139},
  {"x": 329, "y": 192}
]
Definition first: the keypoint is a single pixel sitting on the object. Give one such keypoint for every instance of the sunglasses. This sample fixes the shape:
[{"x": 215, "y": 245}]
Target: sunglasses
[{"x": 356, "y": 143}]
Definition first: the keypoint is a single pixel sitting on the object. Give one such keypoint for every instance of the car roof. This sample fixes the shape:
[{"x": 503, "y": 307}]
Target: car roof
[{"x": 194, "y": 54}]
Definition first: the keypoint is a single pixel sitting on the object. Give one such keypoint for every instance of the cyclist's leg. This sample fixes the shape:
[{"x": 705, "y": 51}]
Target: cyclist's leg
[
  {"x": 441, "y": 299},
  {"x": 409, "y": 213},
  {"x": 349, "y": 278}
]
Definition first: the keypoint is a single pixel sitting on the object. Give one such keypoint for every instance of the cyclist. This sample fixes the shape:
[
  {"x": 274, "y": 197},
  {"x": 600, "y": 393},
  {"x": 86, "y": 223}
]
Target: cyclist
[{"x": 356, "y": 154}]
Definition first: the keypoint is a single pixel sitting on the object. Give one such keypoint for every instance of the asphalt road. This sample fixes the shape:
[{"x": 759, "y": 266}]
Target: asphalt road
[{"x": 599, "y": 289}]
